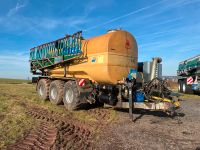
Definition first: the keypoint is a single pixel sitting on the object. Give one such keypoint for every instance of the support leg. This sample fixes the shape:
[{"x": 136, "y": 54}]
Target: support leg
[{"x": 130, "y": 91}]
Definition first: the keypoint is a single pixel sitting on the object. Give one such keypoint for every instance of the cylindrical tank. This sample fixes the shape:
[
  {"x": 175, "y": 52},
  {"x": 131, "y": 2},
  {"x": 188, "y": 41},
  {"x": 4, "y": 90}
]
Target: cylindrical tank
[{"x": 108, "y": 58}]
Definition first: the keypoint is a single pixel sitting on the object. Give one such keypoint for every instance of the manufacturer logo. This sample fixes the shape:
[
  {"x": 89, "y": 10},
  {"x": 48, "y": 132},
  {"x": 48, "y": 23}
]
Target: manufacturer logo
[
  {"x": 93, "y": 60},
  {"x": 127, "y": 45}
]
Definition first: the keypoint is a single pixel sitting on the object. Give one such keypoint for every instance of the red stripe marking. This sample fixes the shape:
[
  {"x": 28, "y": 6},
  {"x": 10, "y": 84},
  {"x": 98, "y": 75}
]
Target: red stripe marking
[
  {"x": 189, "y": 80},
  {"x": 81, "y": 82}
]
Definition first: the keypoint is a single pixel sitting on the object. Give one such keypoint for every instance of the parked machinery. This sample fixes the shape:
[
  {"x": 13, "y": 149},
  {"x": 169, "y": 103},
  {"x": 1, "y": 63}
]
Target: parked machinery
[
  {"x": 189, "y": 75},
  {"x": 102, "y": 69}
]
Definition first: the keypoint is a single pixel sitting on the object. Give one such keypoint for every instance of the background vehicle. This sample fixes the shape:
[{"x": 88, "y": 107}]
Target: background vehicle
[
  {"x": 101, "y": 69},
  {"x": 189, "y": 75}
]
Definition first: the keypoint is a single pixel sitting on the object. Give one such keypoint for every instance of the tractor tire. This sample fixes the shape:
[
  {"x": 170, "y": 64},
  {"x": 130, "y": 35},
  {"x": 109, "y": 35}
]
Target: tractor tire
[
  {"x": 186, "y": 88},
  {"x": 43, "y": 89},
  {"x": 180, "y": 86},
  {"x": 71, "y": 97},
  {"x": 56, "y": 92}
]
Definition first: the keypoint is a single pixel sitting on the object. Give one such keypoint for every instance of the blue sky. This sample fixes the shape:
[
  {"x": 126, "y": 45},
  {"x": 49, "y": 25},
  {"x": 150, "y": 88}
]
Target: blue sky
[{"x": 169, "y": 28}]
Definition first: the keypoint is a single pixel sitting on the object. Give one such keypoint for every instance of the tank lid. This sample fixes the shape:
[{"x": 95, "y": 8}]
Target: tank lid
[{"x": 113, "y": 30}]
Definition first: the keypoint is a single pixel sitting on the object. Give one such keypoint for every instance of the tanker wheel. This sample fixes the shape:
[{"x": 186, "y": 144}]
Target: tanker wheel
[
  {"x": 43, "y": 89},
  {"x": 180, "y": 86},
  {"x": 187, "y": 88},
  {"x": 71, "y": 97},
  {"x": 184, "y": 87},
  {"x": 56, "y": 92}
]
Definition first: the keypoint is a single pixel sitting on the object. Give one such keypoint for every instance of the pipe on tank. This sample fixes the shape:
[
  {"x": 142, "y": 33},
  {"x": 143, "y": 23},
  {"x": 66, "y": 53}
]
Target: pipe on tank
[{"x": 155, "y": 61}]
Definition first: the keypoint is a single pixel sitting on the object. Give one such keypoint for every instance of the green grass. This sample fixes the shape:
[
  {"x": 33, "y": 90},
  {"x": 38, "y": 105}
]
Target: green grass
[
  {"x": 190, "y": 96},
  {"x": 13, "y": 81},
  {"x": 187, "y": 96},
  {"x": 13, "y": 120}
]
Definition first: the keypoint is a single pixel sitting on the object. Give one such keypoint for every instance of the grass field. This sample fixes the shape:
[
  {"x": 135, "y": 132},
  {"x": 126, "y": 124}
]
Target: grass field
[
  {"x": 174, "y": 88},
  {"x": 189, "y": 96},
  {"x": 14, "y": 122},
  {"x": 13, "y": 81}
]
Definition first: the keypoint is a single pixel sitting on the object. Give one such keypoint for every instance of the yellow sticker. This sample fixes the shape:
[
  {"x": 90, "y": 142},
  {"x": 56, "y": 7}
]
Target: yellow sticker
[{"x": 101, "y": 59}]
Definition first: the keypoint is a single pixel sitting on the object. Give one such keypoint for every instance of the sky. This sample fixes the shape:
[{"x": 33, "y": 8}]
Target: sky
[{"x": 169, "y": 29}]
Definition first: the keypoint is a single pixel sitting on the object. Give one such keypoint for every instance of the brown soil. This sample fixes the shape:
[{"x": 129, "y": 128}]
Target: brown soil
[
  {"x": 173, "y": 85},
  {"x": 154, "y": 130},
  {"x": 101, "y": 115},
  {"x": 56, "y": 132},
  {"x": 149, "y": 131},
  {"x": 41, "y": 138}
]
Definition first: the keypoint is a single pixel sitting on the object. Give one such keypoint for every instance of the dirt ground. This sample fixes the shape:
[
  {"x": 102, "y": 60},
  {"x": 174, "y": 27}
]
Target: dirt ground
[
  {"x": 28, "y": 123},
  {"x": 155, "y": 131}
]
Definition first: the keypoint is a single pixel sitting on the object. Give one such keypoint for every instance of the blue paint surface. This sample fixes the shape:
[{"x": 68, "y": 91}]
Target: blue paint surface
[
  {"x": 139, "y": 96},
  {"x": 131, "y": 73}
]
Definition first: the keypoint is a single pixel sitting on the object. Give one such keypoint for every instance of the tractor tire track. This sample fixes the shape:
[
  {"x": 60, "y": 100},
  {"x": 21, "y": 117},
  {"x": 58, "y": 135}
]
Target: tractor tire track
[
  {"x": 59, "y": 133},
  {"x": 42, "y": 138},
  {"x": 100, "y": 114},
  {"x": 70, "y": 134}
]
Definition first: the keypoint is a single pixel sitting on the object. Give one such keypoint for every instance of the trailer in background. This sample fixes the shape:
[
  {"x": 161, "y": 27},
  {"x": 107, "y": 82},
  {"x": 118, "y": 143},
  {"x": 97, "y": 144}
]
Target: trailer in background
[{"x": 189, "y": 75}]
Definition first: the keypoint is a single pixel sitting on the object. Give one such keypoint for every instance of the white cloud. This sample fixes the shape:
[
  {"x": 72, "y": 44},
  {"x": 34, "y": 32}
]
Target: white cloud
[
  {"x": 17, "y": 7},
  {"x": 38, "y": 24},
  {"x": 124, "y": 16},
  {"x": 13, "y": 59},
  {"x": 48, "y": 23},
  {"x": 14, "y": 65},
  {"x": 21, "y": 24},
  {"x": 152, "y": 11}
]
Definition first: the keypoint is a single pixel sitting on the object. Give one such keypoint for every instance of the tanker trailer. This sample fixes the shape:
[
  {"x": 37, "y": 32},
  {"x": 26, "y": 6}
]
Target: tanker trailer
[
  {"x": 189, "y": 75},
  {"x": 73, "y": 70}
]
